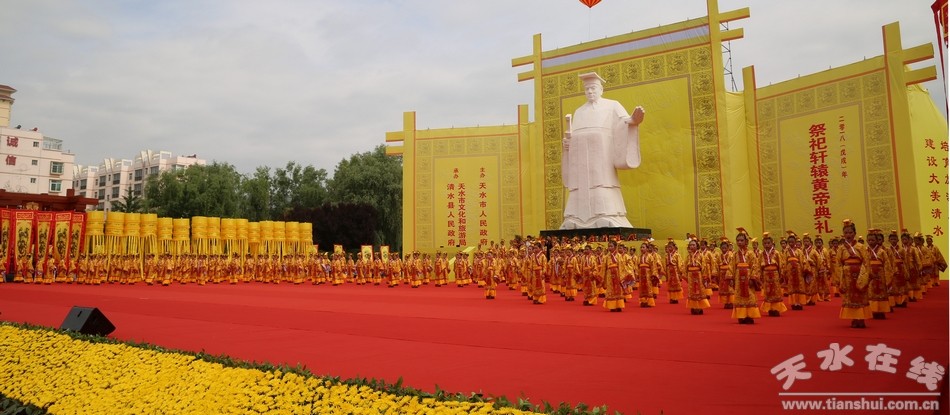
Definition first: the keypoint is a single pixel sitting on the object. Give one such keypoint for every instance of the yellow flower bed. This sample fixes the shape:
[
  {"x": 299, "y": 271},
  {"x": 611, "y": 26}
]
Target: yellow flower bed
[{"x": 69, "y": 376}]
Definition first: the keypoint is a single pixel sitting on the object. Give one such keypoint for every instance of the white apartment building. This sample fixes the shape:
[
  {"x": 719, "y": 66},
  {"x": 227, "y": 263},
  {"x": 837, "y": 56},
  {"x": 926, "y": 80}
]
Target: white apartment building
[
  {"x": 114, "y": 178},
  {"x": 29, "y": 161}
]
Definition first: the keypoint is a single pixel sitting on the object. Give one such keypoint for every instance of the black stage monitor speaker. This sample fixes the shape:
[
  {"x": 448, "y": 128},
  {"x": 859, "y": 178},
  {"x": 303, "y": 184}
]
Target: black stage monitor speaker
[{"x": 87, "y": 320}]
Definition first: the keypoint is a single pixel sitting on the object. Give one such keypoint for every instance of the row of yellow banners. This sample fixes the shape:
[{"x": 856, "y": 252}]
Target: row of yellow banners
[{"x": 65, "y": 236}]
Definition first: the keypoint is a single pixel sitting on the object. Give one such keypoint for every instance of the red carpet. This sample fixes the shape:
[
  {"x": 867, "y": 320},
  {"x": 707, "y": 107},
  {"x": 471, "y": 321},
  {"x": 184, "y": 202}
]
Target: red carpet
[{"x": 646, "y": 360}]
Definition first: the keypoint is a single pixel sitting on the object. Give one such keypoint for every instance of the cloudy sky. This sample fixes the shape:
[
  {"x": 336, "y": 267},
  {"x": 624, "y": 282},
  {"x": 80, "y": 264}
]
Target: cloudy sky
[{"x": 256, "y": 83}]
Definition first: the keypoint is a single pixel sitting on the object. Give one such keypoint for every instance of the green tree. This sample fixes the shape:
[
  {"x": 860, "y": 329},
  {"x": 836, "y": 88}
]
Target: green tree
[
  {"x": 130, "y": 203},
  {"x": 257, "y": 196},
  {"x": 297, "y": 187},
  {"x": 375, "y": 179},
  {"x": 210, "y": 190}
]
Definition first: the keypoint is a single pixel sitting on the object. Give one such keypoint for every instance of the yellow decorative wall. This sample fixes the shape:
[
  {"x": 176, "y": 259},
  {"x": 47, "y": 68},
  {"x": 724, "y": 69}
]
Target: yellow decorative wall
[{"x": 860, "y": 141}]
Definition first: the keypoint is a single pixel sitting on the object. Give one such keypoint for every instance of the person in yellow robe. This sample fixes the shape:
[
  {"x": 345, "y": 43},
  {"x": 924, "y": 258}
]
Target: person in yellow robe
[
  {"x": 614, "y": 299},
  {"x": 746, "y": 280},
  {"x": 853, "y": 277},
  {"x": 770, "y": 272},
  {"x": 694, "y": 272},
  {"x": 940, "y": 262},
  {"x": 709, "y": 260},
  {"x": 723, "y": 273},
  {"x": 793, "y": 269},
  {"x": 823, "y": 270},
  {"x": 572, "y": 273},
  {"x": 928, "y": 263},
  {"x": 590, "y": 276},
  {"x": 537, "y": 264},
  {"x": 879, "y": 272},
  {"x": 491, "y": 270},
  {"x": 646, "y": 276},
  {"x": 912, "y": 264},
  {"x": 671, "y": 268},
  {"x": 809, "y": 270}
]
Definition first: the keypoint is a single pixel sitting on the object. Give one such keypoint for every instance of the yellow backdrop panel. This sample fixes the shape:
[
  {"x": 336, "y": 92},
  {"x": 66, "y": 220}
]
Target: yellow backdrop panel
[
  {"x": 467, "y": 202},
  {"x": 822, "y": 171}
]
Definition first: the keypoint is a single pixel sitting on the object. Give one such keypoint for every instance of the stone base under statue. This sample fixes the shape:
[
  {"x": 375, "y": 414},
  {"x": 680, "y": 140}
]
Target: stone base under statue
[{"x": 600, "y": 234}]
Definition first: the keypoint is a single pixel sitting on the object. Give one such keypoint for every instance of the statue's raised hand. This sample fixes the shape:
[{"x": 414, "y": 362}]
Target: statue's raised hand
[{"x": 637, "y": 116}]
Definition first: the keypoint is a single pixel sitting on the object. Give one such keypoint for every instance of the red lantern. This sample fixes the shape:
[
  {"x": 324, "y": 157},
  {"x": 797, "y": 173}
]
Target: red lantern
[{"x": 589, "y": 3}]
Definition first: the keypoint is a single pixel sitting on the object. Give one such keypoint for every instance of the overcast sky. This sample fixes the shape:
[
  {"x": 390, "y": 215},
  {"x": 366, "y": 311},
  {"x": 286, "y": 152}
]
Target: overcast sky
[{"x": 256, "y": 83}]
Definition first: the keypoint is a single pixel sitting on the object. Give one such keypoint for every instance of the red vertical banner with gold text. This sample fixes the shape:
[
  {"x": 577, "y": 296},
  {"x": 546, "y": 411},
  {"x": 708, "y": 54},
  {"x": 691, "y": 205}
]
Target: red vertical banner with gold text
[
  {"x": 6, "y": 226},
  {"x": 77, "y": 236},
  {"x": 44, "y": 235},
  {"x": 23, "y": 250},
  {"x": 60, "y": 242}
]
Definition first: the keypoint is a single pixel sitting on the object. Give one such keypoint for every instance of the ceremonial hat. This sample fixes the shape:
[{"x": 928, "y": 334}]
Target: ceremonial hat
[{"x": 591, "y": 77}]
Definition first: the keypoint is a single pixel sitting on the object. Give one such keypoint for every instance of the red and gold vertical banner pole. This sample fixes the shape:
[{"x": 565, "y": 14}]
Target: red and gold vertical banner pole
[
  {"x": 214, "y": 236},
  {"x": 305, "y": 233},
  {"x": 267, "y": 238},
  {"x": 180, "y": 236},
  {"x": 199, "y": 235},
  {"x": 280, "y": 237},
  {"x": 165, "y": 230},
  {"x": 254, "y": 241},
  {"x": 44, "y": 233},
  {"x": 77, "y": 237},
  {"x": 292, "y": 238},
  {"x": 6, "y": 225},
  {"x": 95, "y": 233},
  {"x": 132, "y": 237},
  {"x": 61, "y": 239},
  {"x": 115, "y": 229},
  {"x": 241, "y": 226},
  {"x": 23, "y": 250},
  {"x": 149, "y": 234},
  {"x": 939, "y": 8},
  {"x": 229, "y": 236}
]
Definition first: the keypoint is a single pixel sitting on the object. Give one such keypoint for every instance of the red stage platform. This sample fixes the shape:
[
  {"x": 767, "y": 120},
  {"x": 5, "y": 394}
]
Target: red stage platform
[{"x": 641, "y": 360}]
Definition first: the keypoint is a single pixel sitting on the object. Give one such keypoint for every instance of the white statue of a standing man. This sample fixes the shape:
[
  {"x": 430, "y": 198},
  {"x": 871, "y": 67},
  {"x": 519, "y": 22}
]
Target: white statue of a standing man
[{"x": 600, "y": 138}]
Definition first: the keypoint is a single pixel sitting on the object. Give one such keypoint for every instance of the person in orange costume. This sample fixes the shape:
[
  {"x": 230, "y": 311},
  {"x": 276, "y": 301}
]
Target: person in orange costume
[
  {"x": 723, "y": 273},
  {"x": 537, "y": 265},
  {"x": 572, "y": 273},
  {"x": 879, "y": 272},
  {"x": 912, "y": 265},
  {"x": 671, "y": 266},
  {"x": 853, "y": 277},
  {"x": 793, "y": 269},
  {"x": 745, "y": 273},
  {"x": 614, "y": 271},
  {"x": 770, "y": 271},
  {"x": 589, "y": 273},
  {"x": 693, "y": 270}
]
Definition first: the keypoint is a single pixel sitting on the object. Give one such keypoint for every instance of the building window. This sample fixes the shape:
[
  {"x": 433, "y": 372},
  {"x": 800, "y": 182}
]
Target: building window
[
  {"x": 138, "y": 174},
  {"x": 138, "y": 189},
  {"x": 153, "y": 170},
  {"x": 116, "y": 178},
  {"x": 56, "y": 167},
  {"x": 32, "y": 179},
  {"x": 102, "y": 181},
  {"x": 35, "y": 162},
  {"x": 36, "y": 144},
  {"x": 55, "y": 186},
  {"x": 11, "y": 160},
  {"x": 82, "y": 184},
  {"x": 102, "y": 194},
  {"x": 115, "y": 192}
]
